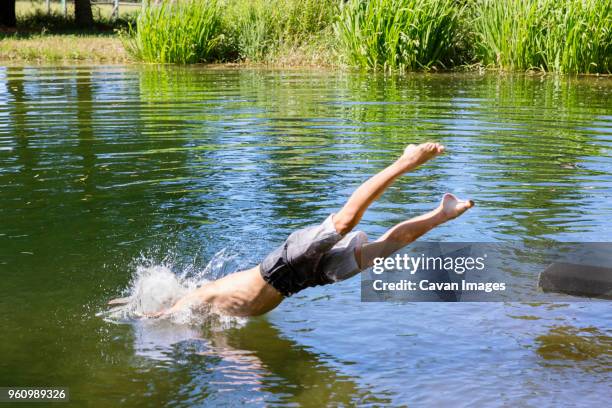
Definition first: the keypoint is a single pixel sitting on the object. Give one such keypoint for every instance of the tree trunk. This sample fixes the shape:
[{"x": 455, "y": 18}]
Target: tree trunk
[
  {"x": 7, "y": 13},
  {"x": 83, "y": 16}
]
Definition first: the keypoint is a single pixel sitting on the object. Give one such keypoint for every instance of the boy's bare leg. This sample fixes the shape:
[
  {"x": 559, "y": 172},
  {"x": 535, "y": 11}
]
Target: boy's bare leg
[
  {"x": 408, "y": 231},
  {"x": 414, "y": 155}
]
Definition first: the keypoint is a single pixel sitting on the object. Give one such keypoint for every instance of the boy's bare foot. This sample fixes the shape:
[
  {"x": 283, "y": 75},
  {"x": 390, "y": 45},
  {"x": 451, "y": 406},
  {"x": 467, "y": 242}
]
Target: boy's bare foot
[
  {"x": 415, "y": 155},
  {"x": 451, "y": 207}
]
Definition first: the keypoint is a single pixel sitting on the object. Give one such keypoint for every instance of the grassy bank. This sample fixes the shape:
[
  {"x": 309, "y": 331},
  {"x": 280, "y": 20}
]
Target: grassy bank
[
  {"x": 42, "y": 37},
  {"x": 64, "y": 48},
  {"x": 568, "y": 37},
  {"x": 572, "y": 36},
  {"x": 269, "y": 31}
]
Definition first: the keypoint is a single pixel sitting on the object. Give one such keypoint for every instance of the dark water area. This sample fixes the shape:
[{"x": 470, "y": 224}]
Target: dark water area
[{"x": 108, "y": 171}]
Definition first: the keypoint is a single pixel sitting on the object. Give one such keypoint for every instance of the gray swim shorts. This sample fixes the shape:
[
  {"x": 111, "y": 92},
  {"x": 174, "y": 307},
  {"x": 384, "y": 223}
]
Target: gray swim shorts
[{"x": 312, "y": 256}]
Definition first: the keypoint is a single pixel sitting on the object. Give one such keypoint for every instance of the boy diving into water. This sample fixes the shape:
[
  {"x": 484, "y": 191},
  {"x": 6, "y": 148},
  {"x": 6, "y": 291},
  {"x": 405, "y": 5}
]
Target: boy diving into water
[{"x": 324, "y": 253}]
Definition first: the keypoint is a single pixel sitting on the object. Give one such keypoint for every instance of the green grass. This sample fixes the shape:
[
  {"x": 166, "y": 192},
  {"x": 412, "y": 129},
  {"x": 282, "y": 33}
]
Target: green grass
[
  {"x": 570, "y": 36},
  {"x": 181, "y": 32},
  {"x": 400, "y": 34},
  {"x": 62, "y": 48},
  {"x": 255, "y": 28},
  {"x": 262, "y": 29},
  {"x": 42, "y": 37},
  {"x": 205, "y": 30}
]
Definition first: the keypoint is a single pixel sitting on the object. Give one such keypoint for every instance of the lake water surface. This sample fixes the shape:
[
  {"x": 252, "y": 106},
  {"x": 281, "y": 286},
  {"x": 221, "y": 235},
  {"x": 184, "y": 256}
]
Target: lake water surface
[{"x": 109, "y": 174}]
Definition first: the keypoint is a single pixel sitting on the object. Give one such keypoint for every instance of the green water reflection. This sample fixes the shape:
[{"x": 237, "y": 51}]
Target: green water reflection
[{"x": 102, "y": 169}]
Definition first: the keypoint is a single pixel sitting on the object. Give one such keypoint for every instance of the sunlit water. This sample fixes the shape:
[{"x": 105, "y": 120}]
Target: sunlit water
[{"x": 149, "y": 181}]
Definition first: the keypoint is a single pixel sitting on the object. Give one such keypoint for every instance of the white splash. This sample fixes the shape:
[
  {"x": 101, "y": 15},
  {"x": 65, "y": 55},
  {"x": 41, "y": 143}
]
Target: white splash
[{"x": 156, "y": 287}]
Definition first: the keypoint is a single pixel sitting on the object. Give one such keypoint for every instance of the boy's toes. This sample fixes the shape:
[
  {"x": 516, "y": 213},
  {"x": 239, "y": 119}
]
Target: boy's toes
[
  {"x": 435, "y": 148},
  {"x": 465, "y": 205}
]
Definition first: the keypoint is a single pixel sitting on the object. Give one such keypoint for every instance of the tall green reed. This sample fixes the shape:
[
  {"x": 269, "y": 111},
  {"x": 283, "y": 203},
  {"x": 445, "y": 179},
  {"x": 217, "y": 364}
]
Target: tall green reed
[
  {"x": 182, "y": 32},
  {"x": 571, "y": 36},
  {"x": 400, "y": 34},
  {"x": 260, "y": 28}
]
